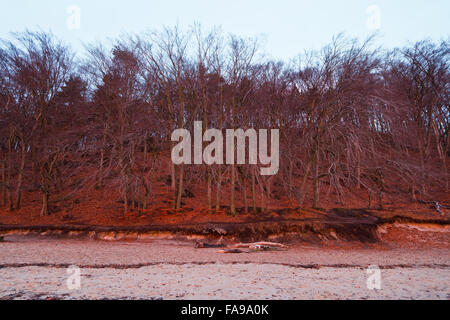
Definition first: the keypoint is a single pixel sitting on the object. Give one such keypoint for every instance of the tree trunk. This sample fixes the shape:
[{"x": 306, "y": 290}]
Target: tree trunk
[
  {"x": 3, "y": 184},
  {"x": 133, "y": 199},
  {"x": 358, "y": 169},
  {"x": 316, "y": 181},
  {"x": 45, "y": 191},
  {"x": 245, "y": 195},
  {"x": 253, "y": 191},
  {"x": 269, "y": 192},
  {"x": 145, "y": 148},
  {"x": 305, "y": 179},
  {"x": 291, "y": 169},
  {"x": 209, "y": 191},
  {"x": 380, "y": 200},
  {"x": 20, "y": 177},
  {"x": 8, "y": 177},
  {"x": 261, "y": 188},
  {"x": 232, "y": 195},
  {"x": 102, "y": 157},
  {"x": 243, "y": 189},
  {"x": 218, "y": 189},
  {"x": 44, "y": 210},
  {"x": 125, "y": 200},
  {"x": 180, "y": 187},
  {"x": 34, "y": 165},
  {"x": 146, "y": 194},
  {"x": 172, "y": 177}
]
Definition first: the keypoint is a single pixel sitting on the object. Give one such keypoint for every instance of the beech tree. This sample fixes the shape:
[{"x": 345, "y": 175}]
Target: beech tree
[
  {"x": 356, "y": 122},
  {"x": 38, "y": 65}
]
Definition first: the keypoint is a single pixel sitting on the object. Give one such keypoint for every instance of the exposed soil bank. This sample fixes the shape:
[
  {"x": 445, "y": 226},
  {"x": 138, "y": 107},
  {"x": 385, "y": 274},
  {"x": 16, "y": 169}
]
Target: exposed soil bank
[
  {"x": 283, "y": 231},
  {"x": 337, "y": 225}
]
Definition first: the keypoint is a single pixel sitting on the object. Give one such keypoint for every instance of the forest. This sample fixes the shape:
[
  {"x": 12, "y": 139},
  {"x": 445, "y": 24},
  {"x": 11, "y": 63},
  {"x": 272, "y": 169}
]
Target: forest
[{"x": 356, "y": 121}]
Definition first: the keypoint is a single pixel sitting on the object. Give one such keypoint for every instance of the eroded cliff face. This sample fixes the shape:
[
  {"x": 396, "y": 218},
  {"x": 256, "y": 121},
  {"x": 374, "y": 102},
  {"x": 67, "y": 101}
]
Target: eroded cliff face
[{"x": 338, "y": 225}]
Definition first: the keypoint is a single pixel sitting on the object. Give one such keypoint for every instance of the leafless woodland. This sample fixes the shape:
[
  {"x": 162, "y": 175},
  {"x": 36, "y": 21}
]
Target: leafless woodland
[{"x": 353, "y": 118}]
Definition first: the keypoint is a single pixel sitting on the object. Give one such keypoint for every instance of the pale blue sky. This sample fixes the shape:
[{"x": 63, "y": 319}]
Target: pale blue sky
[{"x": 289, "y": 26}]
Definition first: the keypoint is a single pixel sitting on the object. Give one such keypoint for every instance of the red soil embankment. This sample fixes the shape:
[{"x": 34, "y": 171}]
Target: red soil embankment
[{"x": 337, "y": 225}]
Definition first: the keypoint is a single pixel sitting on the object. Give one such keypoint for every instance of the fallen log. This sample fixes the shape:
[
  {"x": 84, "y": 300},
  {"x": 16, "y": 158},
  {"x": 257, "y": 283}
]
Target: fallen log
[
  {"x": 231, "y": 251},
  {"x": 260, "y": 244},
  {"x": 257, "y": 248},
  {"x": 236, "y": 248},
  {"x": 203, "y": 245},
  {"x": 254, "y": 247}
]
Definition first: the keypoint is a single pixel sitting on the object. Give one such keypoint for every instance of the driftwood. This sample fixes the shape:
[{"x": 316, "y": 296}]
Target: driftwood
[
  {"x": 238, "y": 248},
  {"x": 202, "y": 245},
  {"x": 231, "y": 251},
  {"x": 260, "y": 244}
]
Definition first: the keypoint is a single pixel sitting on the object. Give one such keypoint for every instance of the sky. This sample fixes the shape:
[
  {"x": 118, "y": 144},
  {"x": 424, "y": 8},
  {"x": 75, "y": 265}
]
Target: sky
[{"x": 287, "y": 27}]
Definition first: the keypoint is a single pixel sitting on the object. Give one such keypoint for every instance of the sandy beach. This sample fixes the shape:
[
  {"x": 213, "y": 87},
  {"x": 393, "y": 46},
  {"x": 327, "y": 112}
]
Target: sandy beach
[{"x": 32, "y": 268}]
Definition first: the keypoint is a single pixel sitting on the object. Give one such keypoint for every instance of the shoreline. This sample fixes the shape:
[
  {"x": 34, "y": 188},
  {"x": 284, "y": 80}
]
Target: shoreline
[{"x": 171, "y": 270}]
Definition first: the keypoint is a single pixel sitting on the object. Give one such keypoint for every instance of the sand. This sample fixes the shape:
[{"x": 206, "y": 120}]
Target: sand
[{"x": 37, "y": 269}]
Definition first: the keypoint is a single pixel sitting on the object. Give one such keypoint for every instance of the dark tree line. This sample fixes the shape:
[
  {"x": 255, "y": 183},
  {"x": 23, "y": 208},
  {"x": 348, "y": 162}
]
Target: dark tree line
[{"x": 352, "y": 118}]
